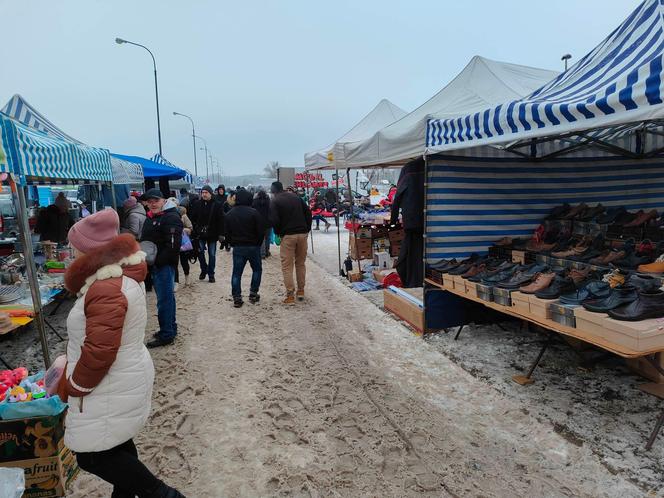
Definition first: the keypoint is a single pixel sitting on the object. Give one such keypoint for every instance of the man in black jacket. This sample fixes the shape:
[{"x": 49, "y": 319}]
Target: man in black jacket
[
  {"x": 244, "y": 232},
  {"x": 410, "y": 200},
  {"x": 208, "y": 220},
  {"x": 163, "y": 227},
  {"x": 262, "y": 205},
  {"x": 291, "y": 219}
]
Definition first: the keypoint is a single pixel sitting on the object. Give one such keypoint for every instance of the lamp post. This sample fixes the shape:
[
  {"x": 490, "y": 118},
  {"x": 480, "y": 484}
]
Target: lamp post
[
  {"x": 565, "y": 58},
  {"x": 193, "y": 136},
  {"x": 120, "y": 41}
]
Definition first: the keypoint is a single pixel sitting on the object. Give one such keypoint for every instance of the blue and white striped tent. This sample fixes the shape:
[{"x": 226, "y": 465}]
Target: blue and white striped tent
[
  {"x": 32, "y": 153},
  {"x": 20, "y": 110},
  {"x": 196, "y": 181},
  {"x": 617, "y": 84},
  {"x": 590, "y": 135}
]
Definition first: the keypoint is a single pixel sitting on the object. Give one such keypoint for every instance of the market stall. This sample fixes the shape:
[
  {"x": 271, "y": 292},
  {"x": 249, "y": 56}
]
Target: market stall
[
  {"x": 543, "y": 207},
  {"x": 30, "y": 157}
]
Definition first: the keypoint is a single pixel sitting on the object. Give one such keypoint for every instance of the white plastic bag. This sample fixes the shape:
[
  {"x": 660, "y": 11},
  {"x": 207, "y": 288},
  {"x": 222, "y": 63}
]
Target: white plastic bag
[
  {"x": 12, "y": 482},
  {"x": 54, "y": 374}
]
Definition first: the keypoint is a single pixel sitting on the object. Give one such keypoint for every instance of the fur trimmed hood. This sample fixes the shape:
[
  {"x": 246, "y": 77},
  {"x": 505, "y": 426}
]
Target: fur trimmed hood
[{"x": 121, "y": 256}]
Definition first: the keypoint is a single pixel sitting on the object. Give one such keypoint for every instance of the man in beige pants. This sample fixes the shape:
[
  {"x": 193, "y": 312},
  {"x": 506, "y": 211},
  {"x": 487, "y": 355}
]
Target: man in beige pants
[{"x": 291, "y": 219}]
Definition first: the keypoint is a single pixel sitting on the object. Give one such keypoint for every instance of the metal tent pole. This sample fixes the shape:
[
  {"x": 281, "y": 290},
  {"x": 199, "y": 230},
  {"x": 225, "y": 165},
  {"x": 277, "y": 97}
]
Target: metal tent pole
[
  {"x": 341, "y": 273},
  {"x": 424, "y": 256},
  {"x": 311, "y": 232},
  {"x": 352, "y": 219},
  {"x": 31, "y": 269},
  {"x": 114, "y": 202}
]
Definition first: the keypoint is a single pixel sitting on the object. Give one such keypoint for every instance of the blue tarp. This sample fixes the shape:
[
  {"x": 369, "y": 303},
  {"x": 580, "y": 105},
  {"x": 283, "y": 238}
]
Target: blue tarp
[{"x": 154, "y": 170}]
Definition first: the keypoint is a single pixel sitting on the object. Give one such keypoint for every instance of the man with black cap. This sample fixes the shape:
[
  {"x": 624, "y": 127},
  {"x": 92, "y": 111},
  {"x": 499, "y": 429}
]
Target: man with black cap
[
  {"x": 290, "y": 217},
  {"x": 163, "y": 228},
  {"x": 208, "y": 219},
  {"x": 222, "y": 198}
]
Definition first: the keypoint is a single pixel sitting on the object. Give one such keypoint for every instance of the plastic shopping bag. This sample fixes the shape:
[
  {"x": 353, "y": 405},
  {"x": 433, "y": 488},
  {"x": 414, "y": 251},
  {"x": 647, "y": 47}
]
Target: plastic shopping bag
[
  {"x": 186, "y": 243},
  {"x": 54, "y": 374},
  {"x": 12, "y": 482}
]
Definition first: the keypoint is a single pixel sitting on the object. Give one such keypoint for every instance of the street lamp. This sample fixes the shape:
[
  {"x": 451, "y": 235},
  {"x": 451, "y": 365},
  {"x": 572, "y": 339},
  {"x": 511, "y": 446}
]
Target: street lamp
[
  {"x": 207, "y": 171},
  {"x": 120, "y": 41},
  {"x": 193, "y": 136},
  {"x": 565, "y": 58}
]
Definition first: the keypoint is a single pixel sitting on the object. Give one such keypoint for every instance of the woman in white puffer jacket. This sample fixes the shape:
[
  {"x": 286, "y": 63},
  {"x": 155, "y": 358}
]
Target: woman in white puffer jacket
[{"x": 109, "y": 375}]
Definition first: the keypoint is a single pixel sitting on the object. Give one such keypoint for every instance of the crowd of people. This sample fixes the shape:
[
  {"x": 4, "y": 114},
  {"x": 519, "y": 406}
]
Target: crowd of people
[{"x": 109, "y": 375}]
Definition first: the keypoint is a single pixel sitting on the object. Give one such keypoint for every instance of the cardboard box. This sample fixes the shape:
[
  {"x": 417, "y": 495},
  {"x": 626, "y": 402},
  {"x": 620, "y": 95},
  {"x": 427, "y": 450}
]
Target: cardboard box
[
  {"x": 539, "y": 308},
  {"x": 395, "y": 249},
  {"x": 563, "y": 314},
  {"x": 396, "y": 235},
  {"x": 25, "y": 439},
  {"x": 360, "y": 248},
  {"x": 354, "y": 276},
  {"x": 459, "y": 283},
  {"x": 364, "y": 232},
  {"x": 48, "y": 477},
  {"x": 382, "y": 259},
  {"x": 404, "y": 309},
  {"x": 448, "y": 281},
  {"x": 470, "y": 288},
  {"x": 379, "y": 275},
  {"x": 521, "y": 303},
  {"x": 519, "y": 257},
  {"x": 646, "y": 335}
]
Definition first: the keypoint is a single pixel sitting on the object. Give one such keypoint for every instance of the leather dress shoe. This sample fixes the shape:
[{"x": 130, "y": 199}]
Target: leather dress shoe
[
  {"x": 591, "y": 290},
  {"x": 158, "y": 342},
  {"x": 492, "y": 270},
  {"x": 645, "y": 283},
  {"x": 619, "y": 296},
  {"x": 523, "y": 276},
  {"x": 656, "y": 267},
  {"x": 558, "y": 212},
  {"x": 591, "y": 213},
  {"x": 476, "y": 269},
  {"x": 499, "y": 277},
  {"x": 575, "y": 211},
  {"x": 642, "y": 219},
  {"x": 646, "y": 305},
  {"x": 539, "y": 283},
  {"x": 559, "y": 285},
  {"x": 610, "y": 215}
]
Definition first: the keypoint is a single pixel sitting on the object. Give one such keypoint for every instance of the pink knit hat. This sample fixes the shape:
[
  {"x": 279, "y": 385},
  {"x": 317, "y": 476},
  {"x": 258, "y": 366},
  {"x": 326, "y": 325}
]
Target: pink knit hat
[{"x": 94, "y": 231}]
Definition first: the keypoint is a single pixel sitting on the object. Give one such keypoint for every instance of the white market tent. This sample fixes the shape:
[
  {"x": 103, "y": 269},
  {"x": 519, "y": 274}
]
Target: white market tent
[
  {"x": 380, "y": 116},
  {"x": 481, "y": 83}
]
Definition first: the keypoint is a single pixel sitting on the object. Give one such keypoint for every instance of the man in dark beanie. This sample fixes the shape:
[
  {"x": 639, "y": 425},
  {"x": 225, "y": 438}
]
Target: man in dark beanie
[
  {"x": 290, "y": 217},
  {"x": 207, "y": 217},
  {"x": 222, "y": 198}
]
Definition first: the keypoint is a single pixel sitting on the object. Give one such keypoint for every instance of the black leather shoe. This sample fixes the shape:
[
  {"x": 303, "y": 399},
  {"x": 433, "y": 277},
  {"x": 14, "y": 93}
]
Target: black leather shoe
[
  {"x": 591, "y": 290},
  {"x": 645, "y": 283},
  {"x": 212, "y": 280},
  {"x": 560, "y": 285},
  {"x": 157, "y": 343},
  {"x": 254, "y": 298},
  {"x": 647, "y": 305},
  {"x": 619, "y": 296},
  {"x": 202, "y": 275},
  {"x": 237, "y": 303}
]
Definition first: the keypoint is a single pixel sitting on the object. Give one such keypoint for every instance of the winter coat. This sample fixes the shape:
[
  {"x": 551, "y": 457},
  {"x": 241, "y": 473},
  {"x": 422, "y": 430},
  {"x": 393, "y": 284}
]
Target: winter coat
[
  {"x": 262, "y": 205},
  {"x": 289, "y": 214},
  {"x": 53, "y": 225},
  {"x": 186, "y": 222},
  {"x": 109, "y": 374},
  {"x": 410, "y": 196},
  {"x": 208, "y": 214},
  {"x": 244, "y": 224},
  {"x": 164, "y": 229},
  {"x": 134, "y": 221}
]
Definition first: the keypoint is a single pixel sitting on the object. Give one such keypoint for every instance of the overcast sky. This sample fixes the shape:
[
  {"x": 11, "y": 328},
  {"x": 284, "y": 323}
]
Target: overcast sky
[{"x": 265, "y": 80}]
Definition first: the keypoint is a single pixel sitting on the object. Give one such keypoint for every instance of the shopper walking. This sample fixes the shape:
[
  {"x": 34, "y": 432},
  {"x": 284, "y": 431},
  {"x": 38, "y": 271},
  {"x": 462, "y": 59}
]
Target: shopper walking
[
  {"x": 188, "y": 228},
  {"x": 245, "y": 230},
  {"x": 290, "y": 217},
  {"x": 208, "y": 220},
  {"x": 317, "y": 207},
  {"x": 262, "y": 205},
  {"x": 163, "y": 228},
  {"x": 109, "y": 375},
  {"x": 134, "y": 217}
]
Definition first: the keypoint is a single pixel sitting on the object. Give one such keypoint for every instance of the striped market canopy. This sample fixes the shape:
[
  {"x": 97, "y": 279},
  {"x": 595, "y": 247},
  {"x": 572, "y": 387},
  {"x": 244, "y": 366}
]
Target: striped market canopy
[
  {"x": 618, "y": 83},
  {"x": 20, "y": 110},
  {"x": 196, "y": 181},
  {"x": 33, "y": 153}
]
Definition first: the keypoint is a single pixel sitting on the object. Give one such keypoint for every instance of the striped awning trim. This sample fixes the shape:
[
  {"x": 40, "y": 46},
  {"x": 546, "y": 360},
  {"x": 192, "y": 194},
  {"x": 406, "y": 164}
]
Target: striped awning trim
[
  {"x": 196, "y": 181},
  {"x": 473, "y": 202},
  {"x": 620, "y": 81}
]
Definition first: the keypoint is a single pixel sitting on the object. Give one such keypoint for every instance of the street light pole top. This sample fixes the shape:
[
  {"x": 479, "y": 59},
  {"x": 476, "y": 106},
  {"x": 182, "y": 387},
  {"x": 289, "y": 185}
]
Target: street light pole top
[
  {"x": 566, "y": 57},
  {"x": 120, "y": 41}
]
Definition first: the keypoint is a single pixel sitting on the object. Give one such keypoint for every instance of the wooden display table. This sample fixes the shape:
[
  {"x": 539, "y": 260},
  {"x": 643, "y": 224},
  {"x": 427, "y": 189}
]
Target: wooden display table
[{"x": 589, "y": 336}]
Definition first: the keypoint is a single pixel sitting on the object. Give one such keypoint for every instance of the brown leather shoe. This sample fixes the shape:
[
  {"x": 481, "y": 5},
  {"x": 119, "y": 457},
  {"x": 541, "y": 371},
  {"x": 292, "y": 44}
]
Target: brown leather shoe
[
  {"x": 474, "y": 270},
  {"x": 579, "y": 275},
  {"x": 613, "y": 256},
  {"x": 542, "y": 281},
  {"x": 300, "y": 295},
  {"x": 643, "y": 218},
  {"x": 575, "y": 211},
  {"x": 290, "y": 299}
]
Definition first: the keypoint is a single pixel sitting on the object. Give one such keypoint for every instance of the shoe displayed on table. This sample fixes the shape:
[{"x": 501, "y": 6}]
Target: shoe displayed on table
[
  {"x": 645, "y": 283},
  {"x": 575, "y": 211},
  {"x": 656, "y": 267},
  {"x": 615, "y": 278},
  {"x": 539, "y": 283},
  {"x": 591, "y": 213},
  {"x": 476, "y": 269},
  {"x": 642, "y": 218},
  {"x": 558, "y": 212},
  {"x": 523, "y": 276},
  {"x": 491, "y": 271},
  {"x": 592, "y": 290},
  {"x": 619, "y": 296},
  {"x": 559, "y": 285},
  {"x": 610, "y": 215},
  {"x": 499, "y": 277},
  {"x": 646, "y": 305},
  {"x": 158, "y": 342}
]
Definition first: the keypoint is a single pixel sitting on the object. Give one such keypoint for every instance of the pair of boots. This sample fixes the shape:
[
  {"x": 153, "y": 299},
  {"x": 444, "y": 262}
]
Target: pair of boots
[
  {"x": 187, "y": 283},
  {"x": 253, "y": 299}
]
